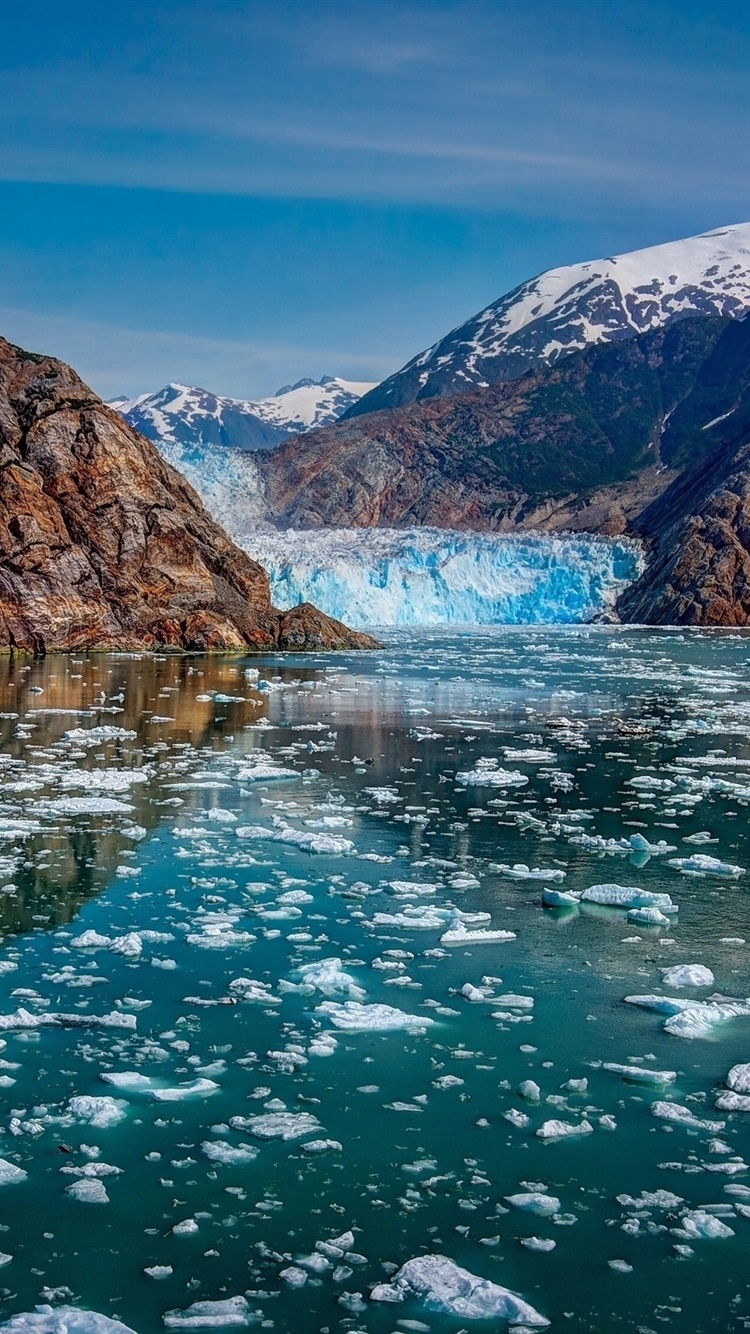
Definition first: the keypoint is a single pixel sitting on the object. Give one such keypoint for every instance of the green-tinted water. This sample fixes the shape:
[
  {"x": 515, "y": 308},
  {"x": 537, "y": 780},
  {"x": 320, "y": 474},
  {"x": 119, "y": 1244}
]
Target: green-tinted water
[{"x": 373, "y": 745}]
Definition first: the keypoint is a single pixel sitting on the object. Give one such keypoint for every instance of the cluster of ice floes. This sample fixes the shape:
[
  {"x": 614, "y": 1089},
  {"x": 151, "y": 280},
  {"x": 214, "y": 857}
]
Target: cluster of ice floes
[{"x": 254, "y": 1018}]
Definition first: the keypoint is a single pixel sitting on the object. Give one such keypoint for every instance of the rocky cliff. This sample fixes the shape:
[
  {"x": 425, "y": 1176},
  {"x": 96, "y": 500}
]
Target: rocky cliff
[{"x": 104, "y": 545}]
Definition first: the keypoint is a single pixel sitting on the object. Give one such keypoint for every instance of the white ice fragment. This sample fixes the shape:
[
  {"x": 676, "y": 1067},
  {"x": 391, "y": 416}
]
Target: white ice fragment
[
  {"x": 88, "y": 1191},
  {"x": 159, "y": 1271},
  {"x": 687, "y": 975},
  {"x": 228, "y": 1313},
  {"x": 195, "y": 1088},
  {"x": 445, "y": 1287},
  {"x": 552, "y": 1130},
  {"x": 624, "y": 896},
  {"x": 278, "y": 1125},
  {"x": 534, "y": 1202},
  {"x": 219, "y": 1151},
  {"x": 529, "y": 1091},
  {"x": 679, "y": 1115},
  {"x": 293, "y": 1276},
  {"x": 186, "y": 1228},
  {"x": 460, "y": 934},
  {"x": 701, "y": 864},
  {"x": 637, "y": 1074},
  {"x": 353, "y": 1017},
  {"x": 329, "y": 977},
  {"x": 322, "y": 1146},
  {"x": 10, "y": 1173},
  {"x": 486, "y": 774},
  {"x": 698, "y": 1225},
  {"x": 100, "y": 1112},
  {"x": 541, "y": 1244},
  {"x": 63, "y": 1320},
  {"x": 620, "y": 1266}
]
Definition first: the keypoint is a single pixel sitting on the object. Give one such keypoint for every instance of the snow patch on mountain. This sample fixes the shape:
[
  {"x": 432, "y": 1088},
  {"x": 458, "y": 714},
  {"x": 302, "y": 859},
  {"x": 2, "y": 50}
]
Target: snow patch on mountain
[
  {"x": 430, "y": 576},
  {"x": 185, "y": 415},
  {"x": 565, "y": 309}
]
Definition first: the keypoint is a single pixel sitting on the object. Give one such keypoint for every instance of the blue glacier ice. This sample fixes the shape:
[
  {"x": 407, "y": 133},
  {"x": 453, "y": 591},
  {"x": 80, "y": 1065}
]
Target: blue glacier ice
[{"x": 431, "y": 576}]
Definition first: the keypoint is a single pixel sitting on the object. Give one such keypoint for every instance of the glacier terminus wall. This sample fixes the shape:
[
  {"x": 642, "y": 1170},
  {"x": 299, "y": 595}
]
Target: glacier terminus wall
[{"x": 430, "y": 576}]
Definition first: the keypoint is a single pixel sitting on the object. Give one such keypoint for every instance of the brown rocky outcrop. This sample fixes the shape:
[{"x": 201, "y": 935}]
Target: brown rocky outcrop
[
  {"x": 104, "y": 545},
  {"x": 698, "y": 532}
]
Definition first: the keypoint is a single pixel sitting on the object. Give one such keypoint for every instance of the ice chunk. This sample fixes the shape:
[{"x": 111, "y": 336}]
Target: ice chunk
[
  {"x": 230, "y": 1312},
  {"x": 691, "y": 1018},
  {"x": 559, "y": 898},
  {"x": 356, "y": 1018},
  {"x": 186, "y": 1228},
  {"x": 648, "y": 916},
  {"x": 196, "y": 1088},
  {"x": 22, "y": 1018},
  {"x": 294, "y": 1277},
  {"x": 520, "y": 871},
  {"x": 738, "y": 1078},
  {"x": 88, "y": 1191},
  {"x": 701, "y": 864},
  {"x": 10, "y": 1173},
  {"x": 529, "y": 1091},
  {"x": 63, "y": 1320},
  {"x": 623, "y": 896},
  {"x": 443, "y": 1286},
  {"x": 159, "y": 1271},
  {"x": 698, "y": 1225},
  {"x": 219, "y": 1151},
  {"x": 278, "y": 1125},
  {"x": 328, "y": 976},
  {"x": 638, "y": 1074},
  {"x": 486, "y": 774},
  {"x": 552, "y": 1130},
  {"x": 679, "y": 1115},
  {"x": 534, "y": 1202},
  {"x": 305, "y": 839},
  {"x": 100, "y": 1112},
  {"x": 322, "y": 1146},
  {"x": 687, "y": 975},
  {"x": 460, "y": 934}
]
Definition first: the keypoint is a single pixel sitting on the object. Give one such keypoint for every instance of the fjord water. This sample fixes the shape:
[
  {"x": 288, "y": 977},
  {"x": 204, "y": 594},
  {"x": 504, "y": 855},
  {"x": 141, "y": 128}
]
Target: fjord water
[{"x": 212, "y": 825}]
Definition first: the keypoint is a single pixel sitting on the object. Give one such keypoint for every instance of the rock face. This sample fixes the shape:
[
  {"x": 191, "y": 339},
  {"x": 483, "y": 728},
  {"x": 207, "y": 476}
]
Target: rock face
[
  {"x": 699, "y": 533},
  {"x": 566, "y": 309},
  {"x": 104, "y": 545}
]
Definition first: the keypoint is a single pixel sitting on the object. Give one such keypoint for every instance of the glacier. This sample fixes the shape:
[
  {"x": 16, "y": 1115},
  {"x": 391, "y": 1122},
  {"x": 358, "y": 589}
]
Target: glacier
[{"x": 430, "y": 576}]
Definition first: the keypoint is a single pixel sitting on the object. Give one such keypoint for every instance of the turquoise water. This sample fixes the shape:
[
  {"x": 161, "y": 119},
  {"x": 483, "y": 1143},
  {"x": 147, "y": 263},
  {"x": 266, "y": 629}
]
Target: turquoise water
[{"x": 419, "y": 1163}]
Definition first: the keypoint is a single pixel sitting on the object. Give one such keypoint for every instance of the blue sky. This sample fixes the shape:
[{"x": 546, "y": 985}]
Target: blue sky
[{"x": 237, "y": 193}]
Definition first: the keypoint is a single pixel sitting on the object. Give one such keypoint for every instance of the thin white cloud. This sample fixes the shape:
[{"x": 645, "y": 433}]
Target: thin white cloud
[{"x": 115, "y": 360}]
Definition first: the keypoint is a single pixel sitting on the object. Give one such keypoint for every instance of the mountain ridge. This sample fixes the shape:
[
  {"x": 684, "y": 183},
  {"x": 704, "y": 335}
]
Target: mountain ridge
[
  {"x": 563, "y": 310},
  {"x": 190, "y": 417}
]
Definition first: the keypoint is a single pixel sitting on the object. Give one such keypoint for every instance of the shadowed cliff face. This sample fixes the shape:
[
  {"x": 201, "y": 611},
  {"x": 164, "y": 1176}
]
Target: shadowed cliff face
[{"x": 104, "y": 545}]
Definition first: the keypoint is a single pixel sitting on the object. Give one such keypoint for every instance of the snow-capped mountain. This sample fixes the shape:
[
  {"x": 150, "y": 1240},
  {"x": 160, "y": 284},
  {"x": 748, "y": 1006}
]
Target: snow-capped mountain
[
  {"x": 565, "y": 309},
  {"x": 183, "y": 415}
]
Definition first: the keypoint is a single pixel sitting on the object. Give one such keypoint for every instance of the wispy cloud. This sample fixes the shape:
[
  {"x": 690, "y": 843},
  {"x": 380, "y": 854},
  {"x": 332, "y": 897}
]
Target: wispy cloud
[{"x": 115, "y": 360}]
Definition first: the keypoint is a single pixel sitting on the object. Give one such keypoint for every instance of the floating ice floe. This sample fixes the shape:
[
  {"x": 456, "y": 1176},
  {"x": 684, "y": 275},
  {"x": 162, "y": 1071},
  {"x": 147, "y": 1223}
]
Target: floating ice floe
[
  {"x": 736, "y": 1096},
  {"x": 638, "y": 1074},
  {"x": 552, "y": 1130},
  {"x": 353, "y": 1017},
  {"x": 520, "y": 871},
  {"x": 691, "y": 1018},
  {"x": 10, "y": 1174},
  {"x": 305, "y": 839},
  {"x": 231, "y": 1312},
  {"x": 559, "y": 898},
  {"x": 100, "y": 1112},
  {"x": 63, "y": 1320},
  {"x": 278, "y": 1125},
  {"x": 687, "y": 975},
  {"x": 535, "y": 1202},
  {"x": 229, "y": 1155},
  {"x": 487, "y": 774},
  {"x": 683, "y": 1116},
  {"x": 701, "y": 864},
  {"x": 459, "y": 934},
  {"x": 264, "y": 771},
  {"x": 195, "y": 1088},
  {"x": 443, "y": 1286},
  {"x": 327, "y": 976},
  {"x": 698, "y": 1225},
  {"x": 88, "y": 1191},
  {"x": 636, "y": 843},
  {"x": 529, "y": 1091},
  {"x": 626, "y": 896}
]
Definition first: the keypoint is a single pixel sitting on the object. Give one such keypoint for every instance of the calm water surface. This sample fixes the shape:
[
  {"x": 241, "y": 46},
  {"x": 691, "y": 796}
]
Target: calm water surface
[{"x": 222, "y": 824}]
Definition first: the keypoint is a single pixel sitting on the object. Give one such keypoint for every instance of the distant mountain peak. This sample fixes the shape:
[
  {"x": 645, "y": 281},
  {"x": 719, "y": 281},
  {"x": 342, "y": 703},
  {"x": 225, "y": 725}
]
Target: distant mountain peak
[
  {"x": 566, "y": 309},
  {"x": 185, "y": 417}
]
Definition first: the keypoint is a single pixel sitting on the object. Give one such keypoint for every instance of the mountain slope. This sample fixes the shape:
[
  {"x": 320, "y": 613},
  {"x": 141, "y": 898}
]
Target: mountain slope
[
  {"x": 104, "y": 545},
  {"x": 582, "y": 444},
  {"x": 567, "y": 309},
  {"x": 193, "y": 419}
]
